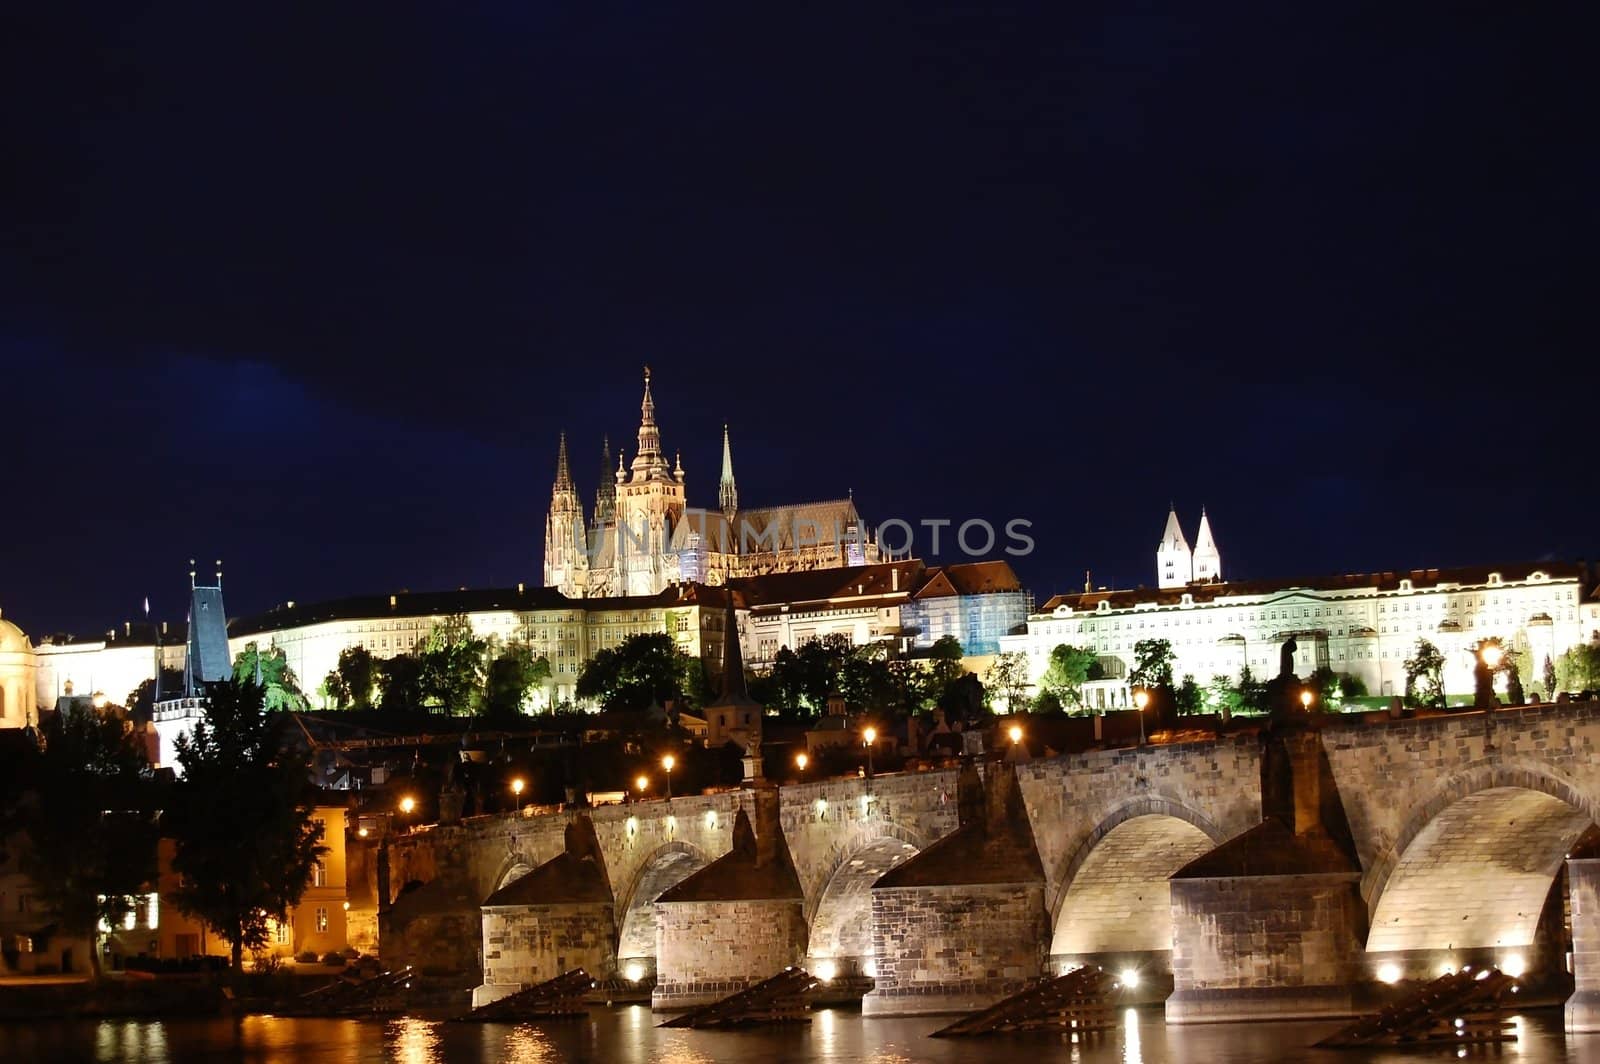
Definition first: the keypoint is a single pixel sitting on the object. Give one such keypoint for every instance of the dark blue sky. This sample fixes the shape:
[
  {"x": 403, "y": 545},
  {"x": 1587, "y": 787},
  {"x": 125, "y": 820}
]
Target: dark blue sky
[{"x": 314, "y": 287}]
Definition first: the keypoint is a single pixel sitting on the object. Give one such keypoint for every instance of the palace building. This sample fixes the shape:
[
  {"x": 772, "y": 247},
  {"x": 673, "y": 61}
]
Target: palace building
[
  {"x": 1363, "y": 625},
  {"x": 644, "y": 537}
]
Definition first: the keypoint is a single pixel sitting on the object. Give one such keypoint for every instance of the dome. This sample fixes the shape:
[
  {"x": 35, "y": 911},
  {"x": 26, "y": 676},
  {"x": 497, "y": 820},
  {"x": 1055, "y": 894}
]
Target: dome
[{"x": 12, "y": 639}]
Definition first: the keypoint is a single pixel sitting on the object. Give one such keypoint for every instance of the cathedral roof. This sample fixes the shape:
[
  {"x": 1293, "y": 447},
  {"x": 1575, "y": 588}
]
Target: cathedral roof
[{"x": 895, "y": 579}]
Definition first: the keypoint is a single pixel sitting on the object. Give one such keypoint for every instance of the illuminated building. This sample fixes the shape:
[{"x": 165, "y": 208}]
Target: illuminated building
[
  {"x": 1360, "y": 624},
  {"x": 645, "y": 537}
]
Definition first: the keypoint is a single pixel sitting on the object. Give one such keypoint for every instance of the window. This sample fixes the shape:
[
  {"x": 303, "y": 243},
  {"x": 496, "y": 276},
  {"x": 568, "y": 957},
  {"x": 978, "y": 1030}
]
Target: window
[
  {"x": 319, "y": 875},
  {"x": 322, "y": 919},
  {"x": 280, "y": 933}
]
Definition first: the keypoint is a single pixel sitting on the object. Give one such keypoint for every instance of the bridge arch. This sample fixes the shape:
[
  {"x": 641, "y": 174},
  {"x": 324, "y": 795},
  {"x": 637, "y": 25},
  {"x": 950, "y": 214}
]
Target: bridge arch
[
  {"x": 840, "y": 916},
  {"x": 1112, "y": 898},
  {"x": 1475, "y": 875},
  {"x": 513, "y": 868},
  {"x": 664, "y": 868}
]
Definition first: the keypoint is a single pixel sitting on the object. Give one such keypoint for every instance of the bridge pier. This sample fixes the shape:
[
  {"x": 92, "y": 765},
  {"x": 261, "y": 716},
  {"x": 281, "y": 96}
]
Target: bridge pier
[
  {"x": 1583, "y": 1007},
  {"x": 739, "y": 920},
  {"x": 1269, "y": 925},
  {"x": 962, "y": 924},
  {"x": 555, "y": 918}
]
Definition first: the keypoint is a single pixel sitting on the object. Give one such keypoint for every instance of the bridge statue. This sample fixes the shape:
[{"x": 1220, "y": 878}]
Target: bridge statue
[{"x": 1286, "y": 657}]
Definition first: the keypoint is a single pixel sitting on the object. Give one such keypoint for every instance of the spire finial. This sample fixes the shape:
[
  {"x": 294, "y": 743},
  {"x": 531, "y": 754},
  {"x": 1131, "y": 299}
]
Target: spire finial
[
  {"x": 727, "y": 490},
  {"x": 563, "y": 469},
  {"x": 191, "y": 574}
]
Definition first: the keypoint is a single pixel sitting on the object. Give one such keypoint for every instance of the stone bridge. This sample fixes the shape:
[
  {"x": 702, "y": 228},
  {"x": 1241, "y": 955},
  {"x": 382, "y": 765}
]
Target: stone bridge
[{"x": 1257, "y": 874}]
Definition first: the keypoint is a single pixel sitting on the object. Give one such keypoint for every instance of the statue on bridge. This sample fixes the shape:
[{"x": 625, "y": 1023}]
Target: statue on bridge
[{"x": 1286, "y": 657}]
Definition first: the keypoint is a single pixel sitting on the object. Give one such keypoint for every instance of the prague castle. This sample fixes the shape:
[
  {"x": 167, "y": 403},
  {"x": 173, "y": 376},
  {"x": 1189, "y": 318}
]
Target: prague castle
[{"x": 644, "y": 537}]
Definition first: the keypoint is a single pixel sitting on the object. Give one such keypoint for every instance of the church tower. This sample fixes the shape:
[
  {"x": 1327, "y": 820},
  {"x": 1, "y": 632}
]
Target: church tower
[
  {"x": 650, "y": 503},
  {"x": 1207, "y": 561},
  {"x": 564, "y": 556},
  {"x": 1174, "y": 560},
  {"x": 605, "y": 496},
  {"x": 727, "y": 492}
]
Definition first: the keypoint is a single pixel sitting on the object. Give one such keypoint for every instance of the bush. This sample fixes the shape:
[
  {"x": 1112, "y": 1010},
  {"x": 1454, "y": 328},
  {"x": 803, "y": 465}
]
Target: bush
[
  {"x": 307, "y": 957},
  {"x": 333, "y": 958}
]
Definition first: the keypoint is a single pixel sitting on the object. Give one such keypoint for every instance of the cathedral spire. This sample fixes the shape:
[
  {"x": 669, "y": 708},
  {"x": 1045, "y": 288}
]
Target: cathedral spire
[
  {"x": 605, "y": 496},
  {"x": 563, "y": 468},
  {"x": 727, "y": 491},
  {"x": 648, "y": 460}
]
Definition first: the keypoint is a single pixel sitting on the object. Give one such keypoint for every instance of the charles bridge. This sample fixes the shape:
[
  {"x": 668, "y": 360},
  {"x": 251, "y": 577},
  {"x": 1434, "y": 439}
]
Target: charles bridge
[{"x": 1258, "y": 875}]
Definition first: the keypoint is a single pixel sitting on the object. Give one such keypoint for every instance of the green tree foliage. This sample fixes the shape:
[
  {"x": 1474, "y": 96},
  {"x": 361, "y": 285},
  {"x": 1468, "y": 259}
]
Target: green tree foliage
[
  {"x": 1189, "y": 696},
  {"x": 1246, "y": 696},
  {"x": 452, "y": 664},
  {"x": 1069, "y": 669},
  {"x": 945, "y": 665},
  {"x": 1425, "y": 675},
  {"x": 1352, "y": 686},
  {"x": 1550, "y": 686},
  {"x": 1579, "y": 668},
  {"x": 1007, "y": 678},
  {"x": 270, "y": 669},
  {"x": 245, "y": 838},
  {"x": 640, "y": 670},
  {"x": 1152, "y": 663},
  {"x": 400, "y": 684},
  {"x": 89, "y": 820},
  {"x": 353, "y": 684},
  {"x": 514, "y": 672}
]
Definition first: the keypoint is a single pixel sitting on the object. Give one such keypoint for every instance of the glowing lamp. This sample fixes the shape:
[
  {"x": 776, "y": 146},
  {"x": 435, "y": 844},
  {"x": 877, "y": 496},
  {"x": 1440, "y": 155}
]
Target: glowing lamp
[
  {"x": 869, "y": 736},
  {"x": 802, "y": 760},
  {"x": 1016, "y": 734},
  {"x": 1514, "y": 965},
  {"x": 668, "y": 761},
  {"x": 516, "y": 786},
  {"x": 634, "y": 972},
  {"x": 643, "y": 783},
  {"x": 1141, "y": 699},
  {"x": 1389, "y": 973},
  {"x": 408, "y": 805},
  {"x": 1129, "y": 977},
  {"x": 1492, "y": 655},
  {"x": 827, "y": 971},
  {"x": 1305, "y": 698}
]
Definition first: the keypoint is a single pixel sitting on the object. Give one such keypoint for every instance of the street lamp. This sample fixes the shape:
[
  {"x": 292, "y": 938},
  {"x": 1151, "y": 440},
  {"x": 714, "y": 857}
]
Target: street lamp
[
  {"x": 802, "y": 760},
  {"x": 408, "y": 805},
  {"x": 1306, "y": 699},
  {"x": 517, "y": 786},
  {"x": 666, "y": 764},
  {"x": 868, "y": 738},
  {"x": 643, "y": 783},
  {"x": 1016, "y": 734},
  {"x": 1141, "y": 698}
]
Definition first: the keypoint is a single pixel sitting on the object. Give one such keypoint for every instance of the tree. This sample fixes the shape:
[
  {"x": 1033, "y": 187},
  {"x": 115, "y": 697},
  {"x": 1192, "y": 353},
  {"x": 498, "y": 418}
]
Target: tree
[
  {"x": 1008, "y": 678},
  {"x": 945, "y": 663},
  {"x": 511, "y": 675},
  {"x": 245, "y": 838},
  {"x": 400, "y": 684},
  {"x": 1067, "y": 672},
  {"x": 1352, "y": 686},
  {"x": 270, "y": 669},
  {"x": 352, "y": 684},
  {"x": 1152, "y": 663},
  {"x": 1549, "y": 679},
  {"x": 90, "y": 823},
  {"x": 640, "y": 670},
  {"x": 1247, "y": 695},
  {"x": 1425, "y": 675},
  {"x": 451, "y": 666},
  {"x": 1189, "y": 696},
  {"x": 1579, "y": 668}
]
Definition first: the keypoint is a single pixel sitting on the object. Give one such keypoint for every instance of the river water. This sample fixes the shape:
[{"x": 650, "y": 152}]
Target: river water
[{"x": 628, "y": 1035}]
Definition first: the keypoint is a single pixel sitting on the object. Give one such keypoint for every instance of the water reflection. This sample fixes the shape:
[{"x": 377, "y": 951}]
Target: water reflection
[{"x": 629, "y": 1036}]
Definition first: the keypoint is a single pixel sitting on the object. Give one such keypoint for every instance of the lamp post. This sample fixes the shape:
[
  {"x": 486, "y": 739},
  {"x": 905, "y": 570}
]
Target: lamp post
[
  {"x": 517, "y": 786},
  {"x": 1490, "y": 656},
  {"x": 1141, "y": 698},
  {"x": 868, "y": 738},
  {"x": 1306, "y": 698},
  {"x": 643, "y": 783},
  {"x": 666, "y": 765},
  {"x": 408, "y": 805},
  {"x": 802, "y": 760}
]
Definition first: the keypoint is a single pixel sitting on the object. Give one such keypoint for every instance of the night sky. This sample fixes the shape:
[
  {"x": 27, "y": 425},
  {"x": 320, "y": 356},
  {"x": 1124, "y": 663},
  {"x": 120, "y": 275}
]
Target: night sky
[{"x": 312, "y": 288}]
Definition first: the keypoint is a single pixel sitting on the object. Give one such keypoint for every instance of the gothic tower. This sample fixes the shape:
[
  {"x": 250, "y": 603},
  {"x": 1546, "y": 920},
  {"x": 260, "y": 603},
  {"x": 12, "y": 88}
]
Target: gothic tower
[
  {"x": 605, "y": 496},
  {"x": 564, "y": 556},
  {"x": 1207, "y": 560},
  {"x": 1174, "y": 560},
  {"x": 650, "y": 503},
  {"x": 727, "y": 492}
]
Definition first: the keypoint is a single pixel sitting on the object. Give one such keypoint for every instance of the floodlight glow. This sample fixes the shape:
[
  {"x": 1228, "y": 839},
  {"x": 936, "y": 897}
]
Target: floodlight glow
[
  {"x": 827, "y": 970},
  {"x": 1389, "y": 973},
  {"x": 1514, "y": 965},
  {"x": 634, "y": 972},
  {"x": 1129, "y": 977}
]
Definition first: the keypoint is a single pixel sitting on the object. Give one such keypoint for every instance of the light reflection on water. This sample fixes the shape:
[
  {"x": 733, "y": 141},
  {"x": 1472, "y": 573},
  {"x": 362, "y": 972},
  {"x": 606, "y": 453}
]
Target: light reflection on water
[{"x": 629, "y": 1036}]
